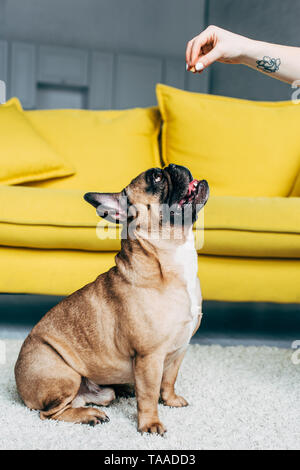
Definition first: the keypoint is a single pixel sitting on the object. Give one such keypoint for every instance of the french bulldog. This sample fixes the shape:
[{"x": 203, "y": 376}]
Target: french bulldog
[{"x": 133, "y": 324}]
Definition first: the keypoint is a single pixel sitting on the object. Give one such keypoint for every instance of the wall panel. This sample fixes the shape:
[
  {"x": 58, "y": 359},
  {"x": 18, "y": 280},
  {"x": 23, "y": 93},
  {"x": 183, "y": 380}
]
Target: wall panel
[
  {"x": 136, "y": 77},
  {"x": 23, "y": 73}
]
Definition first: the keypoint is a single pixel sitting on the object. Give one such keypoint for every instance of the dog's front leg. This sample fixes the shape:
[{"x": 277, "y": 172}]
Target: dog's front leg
[
  {"x": 148, "y": 372},
  {"x": 167, "y": 390}
]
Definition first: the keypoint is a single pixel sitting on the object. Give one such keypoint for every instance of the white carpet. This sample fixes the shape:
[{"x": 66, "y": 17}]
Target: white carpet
[{"x": 240, "y": 398}]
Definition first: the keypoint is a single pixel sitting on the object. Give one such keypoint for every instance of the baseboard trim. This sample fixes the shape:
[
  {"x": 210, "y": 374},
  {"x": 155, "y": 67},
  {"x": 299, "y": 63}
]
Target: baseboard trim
[{"x": 249, "y": 318}]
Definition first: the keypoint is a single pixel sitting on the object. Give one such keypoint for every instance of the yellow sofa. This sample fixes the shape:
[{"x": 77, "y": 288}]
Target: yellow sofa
[{"x": 51, "y": 241}]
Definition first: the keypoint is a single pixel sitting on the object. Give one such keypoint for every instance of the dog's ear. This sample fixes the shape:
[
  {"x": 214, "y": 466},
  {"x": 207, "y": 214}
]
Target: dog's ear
[{"x": 109, "y": 206}]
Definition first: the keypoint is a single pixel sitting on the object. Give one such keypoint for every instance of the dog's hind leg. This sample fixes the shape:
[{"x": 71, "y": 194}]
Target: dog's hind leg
[
  {"x": 91, "y": 416},
  {"x": 46, "y": 382},
  {"x": 89, "y": 392}
]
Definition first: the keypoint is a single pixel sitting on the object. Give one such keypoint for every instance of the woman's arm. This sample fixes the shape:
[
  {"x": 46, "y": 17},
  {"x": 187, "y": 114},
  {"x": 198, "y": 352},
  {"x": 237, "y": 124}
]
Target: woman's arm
[{"x": 216, "y": 44}]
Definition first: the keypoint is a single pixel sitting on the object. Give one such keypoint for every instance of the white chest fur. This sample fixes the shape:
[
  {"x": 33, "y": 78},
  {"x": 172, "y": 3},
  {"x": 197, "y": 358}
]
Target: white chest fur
[{"x": 187, "y": 261}]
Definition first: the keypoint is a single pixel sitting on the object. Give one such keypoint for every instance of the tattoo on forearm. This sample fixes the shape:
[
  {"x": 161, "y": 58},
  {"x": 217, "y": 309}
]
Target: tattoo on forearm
[{"x": 268, "y": 65}]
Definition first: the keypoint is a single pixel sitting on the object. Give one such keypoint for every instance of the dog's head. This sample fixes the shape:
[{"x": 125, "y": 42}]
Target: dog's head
[{"x": 162, "y": 196}]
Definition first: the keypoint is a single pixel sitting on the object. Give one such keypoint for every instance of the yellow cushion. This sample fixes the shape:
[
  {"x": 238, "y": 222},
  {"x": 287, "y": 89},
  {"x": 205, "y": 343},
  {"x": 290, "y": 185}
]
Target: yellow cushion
[
  {"x": 60, "y": 219},
  {"x": 61, "y": 272},
  {"x": 24, "y": 154},
  {"x": 243, "y": 148},
  {"x": 108, "y": 148}
]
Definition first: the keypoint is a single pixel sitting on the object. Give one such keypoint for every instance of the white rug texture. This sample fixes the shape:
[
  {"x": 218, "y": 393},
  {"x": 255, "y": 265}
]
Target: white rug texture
[{"x": 240, "y": 398}]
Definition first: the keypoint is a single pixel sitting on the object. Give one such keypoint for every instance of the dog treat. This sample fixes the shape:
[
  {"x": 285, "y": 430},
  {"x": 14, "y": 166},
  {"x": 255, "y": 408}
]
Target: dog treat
[
  {"x": 198, "y": 67},
  {"x": 192, "y": 69}
]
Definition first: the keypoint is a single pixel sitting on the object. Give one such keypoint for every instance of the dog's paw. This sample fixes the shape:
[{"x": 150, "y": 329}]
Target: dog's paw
[
  {"x": 94, "y": 416},
  {"x": 176, "y": 401},
  {"x": 154, "y": 427}
]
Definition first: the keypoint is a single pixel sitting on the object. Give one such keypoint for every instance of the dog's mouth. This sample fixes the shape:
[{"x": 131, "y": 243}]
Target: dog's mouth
[
  {"x": 197, "y": 193},
  {"x": 191, "y": 193}
]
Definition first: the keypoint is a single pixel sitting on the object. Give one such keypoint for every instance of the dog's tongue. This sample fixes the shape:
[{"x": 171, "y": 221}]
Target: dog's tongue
[
  {"x": 192, "y": 186},
  {"x": 190, "y": 192}
]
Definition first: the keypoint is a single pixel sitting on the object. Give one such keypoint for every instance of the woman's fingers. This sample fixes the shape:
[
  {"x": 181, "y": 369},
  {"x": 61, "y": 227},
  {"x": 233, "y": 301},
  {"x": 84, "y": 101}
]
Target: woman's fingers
[
  {"x": 200, "y": 41},
  {"x": 188, "y": 51},
  {"x": 204, "y": 60},
  {"x": 204, "y": 49},
  {"x": 204, "y": 41},
  {"x": 201, "y": 49},
  {"x": 208, "y": 59}
]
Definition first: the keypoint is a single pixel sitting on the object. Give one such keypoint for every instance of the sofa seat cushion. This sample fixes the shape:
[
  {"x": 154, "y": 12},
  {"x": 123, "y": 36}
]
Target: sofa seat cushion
[
  {"x": 61, "y": 219},
  {"x": 252, "y": 227},
  {"x": 257, "y": 214},
  {"x": 52, "y": 219}
]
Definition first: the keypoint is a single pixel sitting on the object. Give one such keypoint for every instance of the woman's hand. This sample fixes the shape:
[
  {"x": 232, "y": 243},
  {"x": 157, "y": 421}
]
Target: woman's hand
[{"x": 215, "y": 44}]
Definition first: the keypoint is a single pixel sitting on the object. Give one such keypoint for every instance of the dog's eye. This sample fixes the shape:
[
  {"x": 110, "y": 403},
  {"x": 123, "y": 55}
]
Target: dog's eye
[{"x": 157, "y": 176}]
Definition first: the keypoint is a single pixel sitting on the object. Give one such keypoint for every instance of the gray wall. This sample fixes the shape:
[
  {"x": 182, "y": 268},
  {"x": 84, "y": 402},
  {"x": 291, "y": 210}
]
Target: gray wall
[
  {"x": 123, "y": 46},
  {"x": 146, "y": 26},
  {"x": 143, "y": 42}
]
